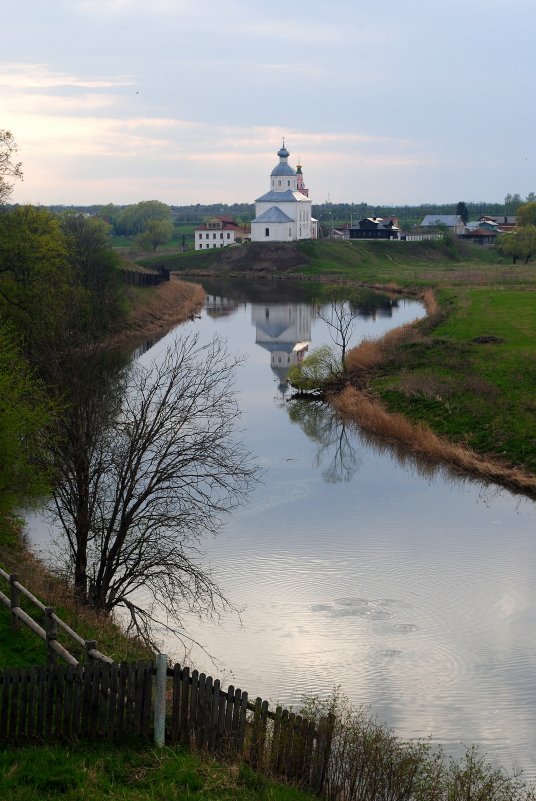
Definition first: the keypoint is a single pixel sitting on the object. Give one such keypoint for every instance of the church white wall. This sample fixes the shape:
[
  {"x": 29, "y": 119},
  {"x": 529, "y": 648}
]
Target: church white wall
[
  {"x": 280, "y": 183},
  {"x": 303, "y": 220},
  {"x": 277, "y": 232}
]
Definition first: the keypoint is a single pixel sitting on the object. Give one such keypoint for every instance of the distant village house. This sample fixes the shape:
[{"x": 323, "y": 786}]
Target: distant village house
[
  {"x": 452, "y": 222},
  {"x": 375, "y": 228},
  {"x": 219, "y": 232}
]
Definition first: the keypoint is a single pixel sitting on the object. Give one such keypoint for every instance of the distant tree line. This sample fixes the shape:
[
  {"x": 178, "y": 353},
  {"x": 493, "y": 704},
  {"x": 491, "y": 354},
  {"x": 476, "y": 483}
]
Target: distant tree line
[{"x": 152, "y": 222}]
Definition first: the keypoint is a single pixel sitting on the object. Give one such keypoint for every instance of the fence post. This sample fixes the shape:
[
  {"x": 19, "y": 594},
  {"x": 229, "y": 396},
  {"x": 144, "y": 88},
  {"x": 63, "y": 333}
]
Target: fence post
[
  {"x": 51, "y": 632},
  {"x": 15, "y": 599},
  {"x": 160, "y": 701},
  {"x": 90, "y": 645}
]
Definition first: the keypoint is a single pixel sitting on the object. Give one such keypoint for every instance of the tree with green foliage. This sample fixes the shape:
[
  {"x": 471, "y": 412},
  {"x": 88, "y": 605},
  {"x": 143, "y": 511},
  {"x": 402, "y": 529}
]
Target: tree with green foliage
[
  {"x": 320, "y": 368},
  {"x": 134, "y": 219},
  {"x": 519, "y": 244},
  {"x": 526, "y": 241},
  {"x": 24, "y": 413},
  {"x": 110, "y": 214},
  {"x": 512, "y": 202},
  {"x": 95, "y": 267},
  {"x": 507, "y": 245},
  {"x": 9, "y": 168},
  {"x": 526, "y": 214},
  {"x": 157, "y": 232},
  {"x": 35, "y": 278},
  {"x": 461, "y": 210}
]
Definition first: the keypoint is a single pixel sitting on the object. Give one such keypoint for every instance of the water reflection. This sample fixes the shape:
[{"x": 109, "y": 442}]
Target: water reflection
[
  {"x": 336, "y": 452},
  {"x": 284, "y": 330},
  {"x": 283, "y": 314}
]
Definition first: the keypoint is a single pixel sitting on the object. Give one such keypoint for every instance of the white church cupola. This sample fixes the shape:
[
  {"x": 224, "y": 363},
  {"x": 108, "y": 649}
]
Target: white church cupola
[
  {"x": 283, "y": 177},
  {"x": 283, "y": 214}
]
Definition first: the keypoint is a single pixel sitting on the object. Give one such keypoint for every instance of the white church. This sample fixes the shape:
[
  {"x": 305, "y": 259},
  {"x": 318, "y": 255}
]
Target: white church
[{"x": 284, "y": 213}]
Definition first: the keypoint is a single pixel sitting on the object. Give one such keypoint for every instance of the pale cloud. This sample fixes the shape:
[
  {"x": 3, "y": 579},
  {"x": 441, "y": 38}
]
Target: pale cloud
[
  {"x": 42, "y": 76},
  {"x": 204, "y": 97},
  {"x": 111, "y": 7}
]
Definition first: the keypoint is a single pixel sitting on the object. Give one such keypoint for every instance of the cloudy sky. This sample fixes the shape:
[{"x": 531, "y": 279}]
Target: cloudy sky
[{"x": 187, "y": 102}]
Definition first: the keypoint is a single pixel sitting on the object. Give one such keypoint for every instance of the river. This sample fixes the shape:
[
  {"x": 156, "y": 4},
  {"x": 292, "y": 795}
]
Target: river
[{"x": 359, "y": 567}]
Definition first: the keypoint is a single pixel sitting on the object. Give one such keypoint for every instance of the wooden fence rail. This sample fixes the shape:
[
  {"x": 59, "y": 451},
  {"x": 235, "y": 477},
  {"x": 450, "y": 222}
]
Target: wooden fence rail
[
  {"x": 101, "y": 701},
  {"x": 50, "y": 633}
]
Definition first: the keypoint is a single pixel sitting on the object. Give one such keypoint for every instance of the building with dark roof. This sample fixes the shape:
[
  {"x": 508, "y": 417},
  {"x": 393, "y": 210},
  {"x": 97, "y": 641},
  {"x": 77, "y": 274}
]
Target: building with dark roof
[{"x": 375, "y": 228}]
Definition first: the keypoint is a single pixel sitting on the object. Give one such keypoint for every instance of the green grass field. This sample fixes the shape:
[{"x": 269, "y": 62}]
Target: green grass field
[
  {"x": 129, "y": 773},
  {"x": 481, "y": 394}
]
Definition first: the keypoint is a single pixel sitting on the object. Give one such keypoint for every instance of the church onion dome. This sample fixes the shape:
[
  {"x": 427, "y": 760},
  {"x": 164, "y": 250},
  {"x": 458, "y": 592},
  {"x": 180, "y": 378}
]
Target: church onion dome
[
  {"x": 282, "y": 169},
  {"x": 283, "y": 153}
]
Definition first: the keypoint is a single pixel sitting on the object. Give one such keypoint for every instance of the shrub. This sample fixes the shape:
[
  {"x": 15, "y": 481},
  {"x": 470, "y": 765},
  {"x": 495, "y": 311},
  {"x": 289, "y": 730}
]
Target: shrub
[
  {"x": 369, "y": 763},
  {"x": 316, "y": 371}
]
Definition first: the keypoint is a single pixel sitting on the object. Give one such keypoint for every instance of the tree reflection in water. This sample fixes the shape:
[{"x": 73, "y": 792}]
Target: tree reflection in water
[{"x": 334, "y": 438}]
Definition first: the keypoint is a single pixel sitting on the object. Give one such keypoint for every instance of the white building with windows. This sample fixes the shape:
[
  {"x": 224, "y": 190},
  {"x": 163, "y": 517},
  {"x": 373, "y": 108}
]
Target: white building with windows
[
  {"x": 219, "y": 232},
  {"x": 283, "y": 214}
]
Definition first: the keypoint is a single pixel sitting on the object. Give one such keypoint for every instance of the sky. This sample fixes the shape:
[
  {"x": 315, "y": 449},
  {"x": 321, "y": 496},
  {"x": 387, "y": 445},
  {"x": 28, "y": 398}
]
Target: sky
[{"x": 118, "y": 101}]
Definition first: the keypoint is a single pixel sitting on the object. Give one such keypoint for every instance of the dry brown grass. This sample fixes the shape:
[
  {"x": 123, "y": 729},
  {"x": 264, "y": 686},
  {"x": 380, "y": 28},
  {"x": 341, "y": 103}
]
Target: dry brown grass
[
  {"x": 156, "y": 310},
  {"x": 354, "y": 406},
  {"x": 371, "y": 353},
  {"x": 367, "y": 355},
  {"x": 426, "y": 385},
  {"x": 430, "y": 301}
]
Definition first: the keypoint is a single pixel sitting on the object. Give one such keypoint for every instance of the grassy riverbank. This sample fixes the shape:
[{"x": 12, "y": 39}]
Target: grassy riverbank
[
  {"x": 470, "y": 373},
  {"x": 472, "y": 376},
  {"x": 130, "y": 773},
  {"x": 358, "y": 261}
]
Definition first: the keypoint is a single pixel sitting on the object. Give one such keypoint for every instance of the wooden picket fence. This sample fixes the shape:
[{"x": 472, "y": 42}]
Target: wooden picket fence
[
  {"x": 112, "y": 702},
  {"x": 280, "y": 743},
  {"x": 62, "y": 702}
]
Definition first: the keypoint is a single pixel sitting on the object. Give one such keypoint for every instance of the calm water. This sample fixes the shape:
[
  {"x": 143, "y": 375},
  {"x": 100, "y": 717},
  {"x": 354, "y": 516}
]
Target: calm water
[{"x": 356, "y": 566}]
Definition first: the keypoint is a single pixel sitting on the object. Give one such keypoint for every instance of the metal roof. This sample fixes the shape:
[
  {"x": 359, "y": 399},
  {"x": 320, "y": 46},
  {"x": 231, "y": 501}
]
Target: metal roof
[
  {"x": 288, "y": 196},
  {"x": 273, "y": 215},
  {"x": 449, "y": 220}
]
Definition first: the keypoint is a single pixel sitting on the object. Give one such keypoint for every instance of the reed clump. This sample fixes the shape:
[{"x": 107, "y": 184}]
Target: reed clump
[
  {"x": 369, "y": 763},
  {"x": 353, "y": 405},
  {"x": 372, "y": 353}
]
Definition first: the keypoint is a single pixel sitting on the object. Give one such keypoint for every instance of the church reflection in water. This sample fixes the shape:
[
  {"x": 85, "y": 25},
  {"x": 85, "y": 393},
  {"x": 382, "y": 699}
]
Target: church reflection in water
[{"x": 284, "y": 330}]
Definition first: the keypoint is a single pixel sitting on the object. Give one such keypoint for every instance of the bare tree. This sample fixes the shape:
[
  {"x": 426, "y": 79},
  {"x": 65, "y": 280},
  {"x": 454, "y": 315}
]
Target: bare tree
[
  {"x": 340, "y": 317},
  {"x": 147, "y": 466},
  {"x": 335, "y": 445},
  {"x": 8, "y": 167}
]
